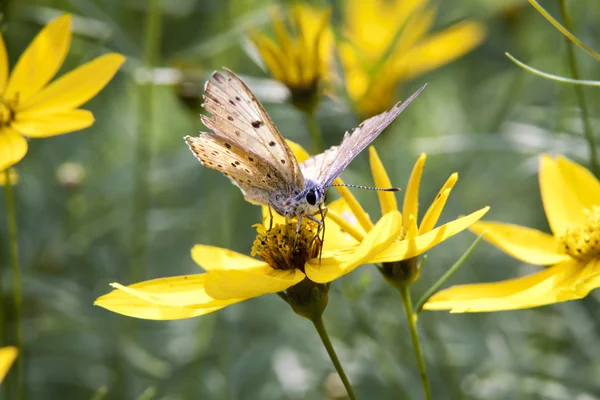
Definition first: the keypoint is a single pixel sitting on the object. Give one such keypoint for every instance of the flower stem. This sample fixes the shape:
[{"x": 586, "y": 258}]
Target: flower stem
[
  {"x": 579, "y": 92},
  {"x": 320, "y": 327},
  {"x": 16, "y": 273},
  {"x": 139, "y": 227},
  {"x": 412, "y": 326},
  {"x": 314, "y": 131}
]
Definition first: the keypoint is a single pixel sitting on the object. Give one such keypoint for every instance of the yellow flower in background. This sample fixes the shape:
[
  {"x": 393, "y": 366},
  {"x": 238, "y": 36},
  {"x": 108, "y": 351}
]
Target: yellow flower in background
[
  {"x": 571, "y": 199},
  {"x": 14, "y": 177},
  {"x": 300, "y": 56},
  {"x": 7, "y": 358},
  {"x": 388, "y": 42},
  {"x": 32, "y": 107},
  {"x": 411, "y": 240},
  {"x": 230, "y": 277}
]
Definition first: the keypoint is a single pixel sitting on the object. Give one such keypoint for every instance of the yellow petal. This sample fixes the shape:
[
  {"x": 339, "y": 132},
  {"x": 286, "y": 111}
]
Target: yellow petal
[
  {"x": 73, "y": 89},
  {"x": 216, "y": 258},
  {"x": 41, "y": 60},
  {"x": 7, "y": 358},
  {"x": 124, "y": 303},
  {"x": 301, "y": 154},
  {"x": 176, "y": 291},
  {"x": 563, "y": 206},
  {"x": 270, "y": 54},
  {"x": 13, "y": 148},
  {"x": 404, "y": 249},
  {"x": 345, "y": 225},
  {"x": 387, "y": 200},
  {"x": 53, "y": 124},
  {"x": 411, "y": 197},
  {"x": 385, "y": 231},
  {"x": 526, "y": 244},
  {"x": 433, "y": 213},
  {"x": 582, "y": 182},
  {"x": 439, "y": 49},
  {"x": 226, "y": 284},
  {"x": 357, "y": 210},
  {"x": 3, "y": 65},
  {"x": 562, "y": 282}
]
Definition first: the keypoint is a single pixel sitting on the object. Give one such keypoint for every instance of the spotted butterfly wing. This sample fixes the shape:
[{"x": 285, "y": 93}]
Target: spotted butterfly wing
[
  {"x": 238, "y": 116},
  {"x": 324, "y": 168}
]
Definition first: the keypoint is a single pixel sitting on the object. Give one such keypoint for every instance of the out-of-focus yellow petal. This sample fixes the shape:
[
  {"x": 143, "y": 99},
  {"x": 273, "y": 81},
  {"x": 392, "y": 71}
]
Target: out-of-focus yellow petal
[
  {"x": 411, "y": 197},
  {"x": 41, "y": 60},
  {"x": 433, "y": 213},
  {"x": 8, "y": 355},
  {"x": 405, "y": 249},
  {"x": 212, "y": 258},
  {"x": 345, "y": 231},
  {"x": 582, "y": 182},
  {"x": 73, "y": 89},
  {"x": 359, "y": 212},
  {"x": 385, "y": 231},
  {"x": 526, "y": 244},
  {"x": 176, "y": 291},
  {"x": 270, "y": 54},
  {"x": 226, "y": 284},
  {"x": 387, "y": 200},
  {"x": 562, "y": 282},
  {"x": 14, "y": 177},
  {"x": 3, "y": 65},
  {"x": 439, "y": 49},
  {"x": 301, "y": 154},
  {"x": 53, "y": 124},
  {"x": 563, "y": 206},
  {"x": 126, "y": 304},
  {"x": 13, "y": 148}
]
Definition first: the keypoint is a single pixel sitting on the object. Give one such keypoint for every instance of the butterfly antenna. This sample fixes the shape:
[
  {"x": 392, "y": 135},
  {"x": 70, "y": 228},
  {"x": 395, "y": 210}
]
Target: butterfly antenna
[{"x": 392, "y": 189}]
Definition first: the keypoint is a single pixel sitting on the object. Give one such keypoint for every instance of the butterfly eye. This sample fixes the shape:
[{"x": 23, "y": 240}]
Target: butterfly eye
[{"x": 311, "y": 197}]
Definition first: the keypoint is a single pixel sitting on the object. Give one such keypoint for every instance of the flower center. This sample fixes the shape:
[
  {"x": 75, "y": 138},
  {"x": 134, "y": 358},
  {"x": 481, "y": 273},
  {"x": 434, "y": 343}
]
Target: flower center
[
  {"x": 583, "y": 242},
  {"x": 283, "y": 248},
  {"x": 7, "y": 114}
]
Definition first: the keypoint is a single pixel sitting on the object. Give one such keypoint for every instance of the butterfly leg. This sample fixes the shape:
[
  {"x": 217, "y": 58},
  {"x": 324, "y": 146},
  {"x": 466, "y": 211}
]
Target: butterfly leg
[{"x": 270, "y": 218}]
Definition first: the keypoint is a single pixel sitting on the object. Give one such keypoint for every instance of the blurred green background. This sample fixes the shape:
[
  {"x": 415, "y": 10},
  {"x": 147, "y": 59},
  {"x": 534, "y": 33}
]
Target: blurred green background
[{"x": 480, "y": 116}]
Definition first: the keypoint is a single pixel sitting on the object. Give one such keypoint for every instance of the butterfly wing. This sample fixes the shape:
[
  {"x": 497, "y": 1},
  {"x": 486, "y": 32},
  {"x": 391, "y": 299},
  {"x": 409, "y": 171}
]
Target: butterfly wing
[
  {"x": 327, "y": 166},
  {"x": 238, "y": 116},
  {"x": 257, "y": 179}
]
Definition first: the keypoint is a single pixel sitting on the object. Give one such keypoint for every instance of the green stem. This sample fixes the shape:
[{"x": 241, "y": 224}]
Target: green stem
[
  {"x": 320, "y": 327},
  {"x": 16, "y": 272},
  {"x": 451, "y": 271},
  {"x": 139, "y": 227},
  {"x": 412, "y": 326},
  {"x": 314, "y": 131},
  {"x": 580, "y": 93}
]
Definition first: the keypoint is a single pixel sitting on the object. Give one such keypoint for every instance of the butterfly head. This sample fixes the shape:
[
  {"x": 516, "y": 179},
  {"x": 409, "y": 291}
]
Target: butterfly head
[{"x": 306, "y": 202}]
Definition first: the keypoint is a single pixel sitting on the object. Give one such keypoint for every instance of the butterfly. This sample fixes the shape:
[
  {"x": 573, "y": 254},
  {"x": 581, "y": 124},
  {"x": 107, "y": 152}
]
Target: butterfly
[{"x": 249, "y": 149}]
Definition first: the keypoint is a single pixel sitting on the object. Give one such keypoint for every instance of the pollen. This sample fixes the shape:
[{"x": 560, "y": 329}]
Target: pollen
[
  {"x": 282, "y": 248},
  {"x": 583, "y": 242}
]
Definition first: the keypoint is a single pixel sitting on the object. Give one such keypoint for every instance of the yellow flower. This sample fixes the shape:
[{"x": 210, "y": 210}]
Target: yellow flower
[
  {"x": 301, "y": 56},
  {"x": 14, "y": 177},
  {"x": 7, "y": 357},
  {"x": 571, "y": 199},
  {"x": 230, "y": 277},
  {"x": 31, "y": 107},
  {"x": 387, "y": 43},
  {"x": 412, "y": 239}
]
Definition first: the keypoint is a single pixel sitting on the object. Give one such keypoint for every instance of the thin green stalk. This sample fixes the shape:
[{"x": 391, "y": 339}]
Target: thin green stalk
[
  {"x": 451, "y": 271},
  {"x": 580, "y": 93},
  {"x": 412, "y": 326},
  {"x": 139, "y": 226},
  {"x": 314, "y": 131},
  {"x": 320, "y": 327},
  {"x": 16, "y": 273}
]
